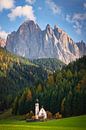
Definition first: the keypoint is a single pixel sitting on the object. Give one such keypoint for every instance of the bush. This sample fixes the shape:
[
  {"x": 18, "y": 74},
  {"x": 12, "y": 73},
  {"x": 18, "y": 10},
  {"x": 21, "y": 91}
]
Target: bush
[
  {"x": 58, "y": 115},
  {"x": 33, "y": 117},
  {"x": 49, "y": 115},
  {"x": 29, "y": 115}
]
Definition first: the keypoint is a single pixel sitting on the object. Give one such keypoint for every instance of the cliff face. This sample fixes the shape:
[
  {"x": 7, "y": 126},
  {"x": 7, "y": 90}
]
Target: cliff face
[
  {"x": 2, "y": 42},
  {"x": 33, "y": 43},
  {"x": 82, "y": 47}
]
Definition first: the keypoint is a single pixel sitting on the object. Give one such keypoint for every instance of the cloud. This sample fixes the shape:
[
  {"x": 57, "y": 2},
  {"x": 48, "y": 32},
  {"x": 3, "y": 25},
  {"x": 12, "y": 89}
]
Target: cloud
[
  {"x": 78, "y": 27},
  {"x": 3, "y": 34},
  {"x": 54, "y": 7},
  {"x": 6, "y": 4},
  {"x": 68, "y": 18},
  {"x": 25, "y": 11},
  {"x": 84, "y": 5},
  {"x": 79, "y": 16},
  {"x": 31, "y": 1},
  {"x": 77, "y": 20}
]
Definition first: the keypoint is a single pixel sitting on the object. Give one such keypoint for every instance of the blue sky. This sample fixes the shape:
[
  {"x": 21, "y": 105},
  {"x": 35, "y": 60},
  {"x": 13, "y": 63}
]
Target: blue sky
[{"x": 70, "y": 15}]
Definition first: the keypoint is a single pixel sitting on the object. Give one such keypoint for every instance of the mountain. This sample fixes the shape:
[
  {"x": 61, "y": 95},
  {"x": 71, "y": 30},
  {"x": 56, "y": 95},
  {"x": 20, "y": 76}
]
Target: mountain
[
  {"x": 17, "y": 73},
  {"x": 50, "y": 64},
  {"x": 31, "y": 42},
  {"x": 2, "y": 42},
  {"x": 82, "y": 47}
]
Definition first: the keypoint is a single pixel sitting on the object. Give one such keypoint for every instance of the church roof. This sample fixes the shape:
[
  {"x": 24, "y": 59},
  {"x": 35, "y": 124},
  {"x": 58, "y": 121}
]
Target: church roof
[{"x": 42, "y": 111}]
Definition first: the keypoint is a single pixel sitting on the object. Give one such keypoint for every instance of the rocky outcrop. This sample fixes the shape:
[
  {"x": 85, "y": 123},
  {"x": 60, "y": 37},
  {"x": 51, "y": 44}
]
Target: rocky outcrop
[
  {"x": 33, "y": 43},
  {"x": 82, "y": 47},
  {"x": 2, "y": 42}
]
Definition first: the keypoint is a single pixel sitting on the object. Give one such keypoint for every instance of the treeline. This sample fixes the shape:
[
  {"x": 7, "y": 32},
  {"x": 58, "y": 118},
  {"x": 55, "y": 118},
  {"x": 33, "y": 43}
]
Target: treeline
[
  {"x": 50, "y": 64},
  {"x": 63, "y": 92}
]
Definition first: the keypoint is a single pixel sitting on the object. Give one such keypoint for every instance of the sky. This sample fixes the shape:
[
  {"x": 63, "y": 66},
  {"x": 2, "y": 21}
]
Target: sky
[{"x": 70, "y": 15}]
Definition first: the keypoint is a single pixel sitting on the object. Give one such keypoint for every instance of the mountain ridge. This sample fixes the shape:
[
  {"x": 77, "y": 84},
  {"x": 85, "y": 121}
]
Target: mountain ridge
[{"x": 31, "y": 42}]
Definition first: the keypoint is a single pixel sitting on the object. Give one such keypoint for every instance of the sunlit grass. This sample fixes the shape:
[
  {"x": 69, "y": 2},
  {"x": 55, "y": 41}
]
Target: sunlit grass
[{"x": 74, "y": 123}]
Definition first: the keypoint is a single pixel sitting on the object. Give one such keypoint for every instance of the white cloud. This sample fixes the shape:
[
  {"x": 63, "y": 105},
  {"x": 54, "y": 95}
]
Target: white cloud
[
  {"x": 84, "y": 5},
  {"x": 68, "y": 18},
  {"x": 31, "y": 1},
  {"x": 77, "y": 20},
  {"x": 25, "y": 11},
  {"x": 54, "y": 7},
  {"x": 6, "y": 4},
  {"x": 3, "y": 34},
  {"x": 79, "y": 16},
  {"x": 78, "y": 27}
]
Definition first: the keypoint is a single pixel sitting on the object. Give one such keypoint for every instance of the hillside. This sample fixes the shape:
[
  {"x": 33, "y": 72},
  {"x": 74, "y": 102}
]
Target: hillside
[
  {"x": 15, "y": 74},
  {"x": 21, "y": 82},
  {"x": 63, "y": 92},
  {"x": 51, "y": 64}
]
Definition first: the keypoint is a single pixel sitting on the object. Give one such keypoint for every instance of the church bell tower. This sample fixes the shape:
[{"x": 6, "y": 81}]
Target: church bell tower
[{"x": 37, "y": 109}]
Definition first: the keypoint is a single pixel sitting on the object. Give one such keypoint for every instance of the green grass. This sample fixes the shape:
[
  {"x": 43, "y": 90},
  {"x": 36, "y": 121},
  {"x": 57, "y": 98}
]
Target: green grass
[{"x": 73, "y": 123}]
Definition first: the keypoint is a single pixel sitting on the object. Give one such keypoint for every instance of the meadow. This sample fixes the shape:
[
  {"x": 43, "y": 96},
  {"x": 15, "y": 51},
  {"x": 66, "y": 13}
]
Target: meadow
[{"x": 72, "y": 123}]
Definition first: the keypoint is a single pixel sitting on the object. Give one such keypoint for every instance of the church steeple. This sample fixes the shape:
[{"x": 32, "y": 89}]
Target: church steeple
[
  {"x": 37, "y": 100},
  {"x": 37, "y": 109}
]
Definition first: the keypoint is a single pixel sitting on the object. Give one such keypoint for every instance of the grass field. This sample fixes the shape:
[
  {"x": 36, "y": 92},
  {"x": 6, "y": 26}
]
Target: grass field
[{"x": 73, "y": 123}]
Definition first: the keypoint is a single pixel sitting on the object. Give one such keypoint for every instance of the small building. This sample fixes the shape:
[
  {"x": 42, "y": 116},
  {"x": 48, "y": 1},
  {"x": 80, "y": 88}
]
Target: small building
[{"x": 40, "y": 114}]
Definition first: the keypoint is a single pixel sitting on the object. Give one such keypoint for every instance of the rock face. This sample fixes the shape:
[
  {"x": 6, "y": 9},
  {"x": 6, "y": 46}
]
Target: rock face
[
  {"x": 33, "y": 43},
  {"x": 82, "y": 47},
  {"x": 2, "y": 42}
]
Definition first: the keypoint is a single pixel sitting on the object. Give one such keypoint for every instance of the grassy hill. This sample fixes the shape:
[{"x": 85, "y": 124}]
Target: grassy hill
[
  {"x": 51, "y": 64},
  {"x": 73, "y": 123},
  {"x": 16, "y": 73}
]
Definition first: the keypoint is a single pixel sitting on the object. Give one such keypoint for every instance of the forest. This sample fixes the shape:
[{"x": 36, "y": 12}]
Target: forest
[
  {"x": 16, "y": 73},
  {"x": 22, "y": 82}
]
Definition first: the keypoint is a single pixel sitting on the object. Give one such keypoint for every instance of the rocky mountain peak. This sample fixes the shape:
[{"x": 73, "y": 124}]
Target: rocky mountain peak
[
  {"x": 49, "y": 30},
  {"x": 48, "y": 27},
  {"x": 31, "y": 42},
  {"x": 29, "y": 25},
  {"x": 55, "y": 26}
]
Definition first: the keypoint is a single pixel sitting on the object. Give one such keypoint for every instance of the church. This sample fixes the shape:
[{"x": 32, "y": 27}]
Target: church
[{"x": 39, "y": 113}]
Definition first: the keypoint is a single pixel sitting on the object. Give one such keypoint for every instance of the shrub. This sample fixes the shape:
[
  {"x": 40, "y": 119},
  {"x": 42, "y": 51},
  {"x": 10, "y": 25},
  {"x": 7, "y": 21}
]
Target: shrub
[
  {"x": 29, "y": 115},
  {"x": 58, "y": 115},
  {"x": 49, "y": 115}
]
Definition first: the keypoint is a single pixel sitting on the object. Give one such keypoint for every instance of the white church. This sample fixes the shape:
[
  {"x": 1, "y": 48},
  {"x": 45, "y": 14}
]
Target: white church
[{"x": 39, "y": 114}]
